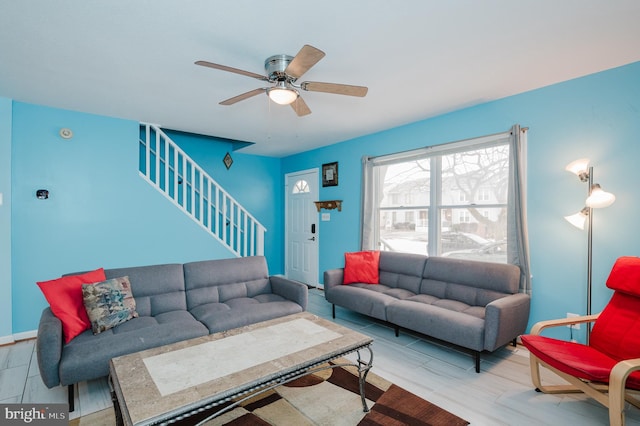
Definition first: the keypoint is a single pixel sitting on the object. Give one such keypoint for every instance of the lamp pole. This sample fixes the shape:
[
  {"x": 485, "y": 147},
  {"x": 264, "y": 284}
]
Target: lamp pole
[{"x": 589, "y": 254}]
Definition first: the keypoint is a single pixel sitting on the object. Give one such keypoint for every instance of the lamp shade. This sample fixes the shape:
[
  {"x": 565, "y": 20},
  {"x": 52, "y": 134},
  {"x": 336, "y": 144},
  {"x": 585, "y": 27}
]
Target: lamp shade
[
  {"x": 599, "y": 198},
  {"x": 579, "y": 218},
  {"x": 281, "y": 94},
  {"x": 580, "y": 168}
]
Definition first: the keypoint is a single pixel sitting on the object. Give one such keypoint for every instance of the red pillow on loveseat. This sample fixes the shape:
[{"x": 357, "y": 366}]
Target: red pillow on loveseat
[
  {"x": 361, "y": 267},
  {"x": 65, "y": 298}
]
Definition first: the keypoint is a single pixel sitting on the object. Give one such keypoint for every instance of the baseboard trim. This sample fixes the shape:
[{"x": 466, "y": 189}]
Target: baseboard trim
[
  {"x": 26, "y": 335},
  {"x": 13, "y": 338},
  {"x": 6, "y": 340}
]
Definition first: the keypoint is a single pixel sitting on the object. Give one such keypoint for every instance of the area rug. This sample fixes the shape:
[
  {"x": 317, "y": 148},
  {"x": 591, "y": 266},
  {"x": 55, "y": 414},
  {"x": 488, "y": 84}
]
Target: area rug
[{"x": 329, "y": 397}]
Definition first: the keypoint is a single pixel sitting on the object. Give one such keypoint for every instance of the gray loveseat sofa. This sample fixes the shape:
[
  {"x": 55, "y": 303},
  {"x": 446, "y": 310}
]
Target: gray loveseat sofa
[
  {"x": 471, "y": 304},
  {"x": 174, "y": 302}
]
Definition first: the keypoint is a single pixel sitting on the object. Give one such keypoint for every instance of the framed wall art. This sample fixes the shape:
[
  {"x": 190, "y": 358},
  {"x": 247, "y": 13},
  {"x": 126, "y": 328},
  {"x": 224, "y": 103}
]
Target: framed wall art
[
  {"x": 330, "y": 174},
  {"x": 228, "y": 161}
]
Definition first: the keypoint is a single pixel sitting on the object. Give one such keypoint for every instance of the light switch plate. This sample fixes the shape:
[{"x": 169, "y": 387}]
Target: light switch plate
[{"x": 326, "y": 217}]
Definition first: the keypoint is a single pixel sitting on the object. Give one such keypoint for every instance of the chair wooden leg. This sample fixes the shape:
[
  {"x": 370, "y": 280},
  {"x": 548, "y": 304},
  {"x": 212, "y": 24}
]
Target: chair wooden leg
[
  {"x": 575, "y": 386},
  {"x": 617, "y": 392},
  {"x": 535, "y": 372}
]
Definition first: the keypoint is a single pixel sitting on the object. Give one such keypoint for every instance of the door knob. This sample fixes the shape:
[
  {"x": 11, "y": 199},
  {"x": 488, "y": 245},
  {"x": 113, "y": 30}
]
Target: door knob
[{"x": 312, "y": 239}]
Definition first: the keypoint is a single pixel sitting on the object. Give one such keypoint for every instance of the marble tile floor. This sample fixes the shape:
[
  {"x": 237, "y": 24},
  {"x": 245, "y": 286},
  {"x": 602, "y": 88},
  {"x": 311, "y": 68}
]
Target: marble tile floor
[{"x": 502, "y": 394}]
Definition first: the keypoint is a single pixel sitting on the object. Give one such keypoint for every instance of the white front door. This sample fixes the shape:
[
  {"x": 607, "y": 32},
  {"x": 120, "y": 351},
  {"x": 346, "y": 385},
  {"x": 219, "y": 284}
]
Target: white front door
[{"x": 301, "y": 226}]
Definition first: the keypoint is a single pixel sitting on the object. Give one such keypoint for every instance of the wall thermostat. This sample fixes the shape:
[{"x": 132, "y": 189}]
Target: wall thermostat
[{"x": 66, "y": 133}]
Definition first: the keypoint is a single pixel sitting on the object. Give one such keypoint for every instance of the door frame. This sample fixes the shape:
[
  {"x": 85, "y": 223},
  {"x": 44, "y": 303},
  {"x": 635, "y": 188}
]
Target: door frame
[{"x": 316, "y": 261}]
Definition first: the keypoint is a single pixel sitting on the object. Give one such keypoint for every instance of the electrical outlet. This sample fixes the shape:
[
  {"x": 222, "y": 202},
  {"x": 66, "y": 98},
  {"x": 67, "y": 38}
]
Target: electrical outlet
[{"x": 574, "y": 326}]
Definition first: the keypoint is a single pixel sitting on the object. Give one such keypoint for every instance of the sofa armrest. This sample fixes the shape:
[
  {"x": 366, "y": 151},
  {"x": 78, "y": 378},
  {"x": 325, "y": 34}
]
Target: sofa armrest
[
  {"x": 333, "y": 278},
  {"x": 289, "y": 289},
  {"x": 49, "y": 348},
  {"x": 505, "y": 319}
]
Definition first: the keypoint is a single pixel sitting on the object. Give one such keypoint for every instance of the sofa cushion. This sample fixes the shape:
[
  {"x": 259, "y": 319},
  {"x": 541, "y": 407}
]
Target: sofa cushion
[
  {"x": 361, "y": 267},
  {"x": 87, "y": 356},
  {"x": 470, "y": 282},
  {"x": 452, "y": 305},
  {"x": 108, "y": 303},
  {"x": 363, "y": 298},
  {"x": 402, "y": 270},
  {"x": 494, "y": 277},
  {"x": 455, "y": 327},
  {"x": 157, "y": 288},
  {"x": 243, "y": 311},
  {"x": 65, "y": 298},
  {"x": 216, "y": 281}
]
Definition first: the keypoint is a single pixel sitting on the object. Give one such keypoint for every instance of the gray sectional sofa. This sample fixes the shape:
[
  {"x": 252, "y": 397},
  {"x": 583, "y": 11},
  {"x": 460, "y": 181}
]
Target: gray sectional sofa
[
  {"x": 174, "y": 302},
  {"x": 471, "y": 304}
]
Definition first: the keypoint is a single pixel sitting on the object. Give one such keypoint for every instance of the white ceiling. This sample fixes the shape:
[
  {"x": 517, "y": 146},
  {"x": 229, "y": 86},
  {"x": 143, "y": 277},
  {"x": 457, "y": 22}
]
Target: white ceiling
[{"x": 419, "y": 58}]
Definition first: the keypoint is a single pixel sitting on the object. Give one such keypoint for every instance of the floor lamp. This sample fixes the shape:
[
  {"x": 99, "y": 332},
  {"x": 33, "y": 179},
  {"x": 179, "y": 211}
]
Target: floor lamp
[{"x": 596, "y": 198}]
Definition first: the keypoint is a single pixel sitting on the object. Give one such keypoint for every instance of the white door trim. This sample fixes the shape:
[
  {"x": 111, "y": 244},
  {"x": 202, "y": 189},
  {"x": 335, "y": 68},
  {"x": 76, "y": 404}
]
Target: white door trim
[{"x": 316, "y": 267}]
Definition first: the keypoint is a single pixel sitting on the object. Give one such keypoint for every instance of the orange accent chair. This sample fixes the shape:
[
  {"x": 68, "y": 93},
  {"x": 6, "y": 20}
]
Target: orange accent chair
[{"x": 607, "y": 368}]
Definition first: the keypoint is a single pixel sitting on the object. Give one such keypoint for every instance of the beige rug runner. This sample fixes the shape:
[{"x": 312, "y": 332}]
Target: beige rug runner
[{"x": 330, "y": 397}]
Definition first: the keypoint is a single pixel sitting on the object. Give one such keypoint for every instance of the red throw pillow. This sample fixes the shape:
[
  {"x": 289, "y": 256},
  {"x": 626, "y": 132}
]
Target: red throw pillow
[
  {"x": 65, "y": 298},
  {"x": 361, "y": 267}
]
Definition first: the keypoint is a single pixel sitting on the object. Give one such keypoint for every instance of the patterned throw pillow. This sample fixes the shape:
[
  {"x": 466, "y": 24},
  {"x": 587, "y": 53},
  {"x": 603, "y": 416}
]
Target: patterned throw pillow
[{"x": 109, "y": 303}]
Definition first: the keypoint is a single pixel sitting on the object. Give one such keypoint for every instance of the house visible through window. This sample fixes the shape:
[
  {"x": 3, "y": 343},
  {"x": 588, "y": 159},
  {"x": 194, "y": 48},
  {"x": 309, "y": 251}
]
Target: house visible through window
[{"x": 449, "y": 200}]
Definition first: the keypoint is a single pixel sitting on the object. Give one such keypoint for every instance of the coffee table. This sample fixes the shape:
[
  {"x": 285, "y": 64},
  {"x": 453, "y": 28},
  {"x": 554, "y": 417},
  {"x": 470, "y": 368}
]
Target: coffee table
[{"x": 173, "y": 382}]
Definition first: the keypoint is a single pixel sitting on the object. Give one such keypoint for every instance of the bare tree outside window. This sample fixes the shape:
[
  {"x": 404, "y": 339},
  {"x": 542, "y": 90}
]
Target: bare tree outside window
[{"x": 470, "y": 211}]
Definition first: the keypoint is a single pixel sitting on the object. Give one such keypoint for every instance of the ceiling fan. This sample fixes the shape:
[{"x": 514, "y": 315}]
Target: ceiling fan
[{"x": 283, "y": 71}]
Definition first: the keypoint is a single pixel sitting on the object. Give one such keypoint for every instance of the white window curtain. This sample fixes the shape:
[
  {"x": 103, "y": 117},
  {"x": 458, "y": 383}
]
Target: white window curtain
[{"x": 517, "y": 234}]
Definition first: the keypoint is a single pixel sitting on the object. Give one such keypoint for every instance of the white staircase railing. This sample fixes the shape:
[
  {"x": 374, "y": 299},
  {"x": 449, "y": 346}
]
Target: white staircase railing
[{"x": 172, "y": 172}]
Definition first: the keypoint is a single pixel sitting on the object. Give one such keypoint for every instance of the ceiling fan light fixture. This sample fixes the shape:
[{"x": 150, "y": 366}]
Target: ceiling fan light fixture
[{"x": 282, "y": 95}]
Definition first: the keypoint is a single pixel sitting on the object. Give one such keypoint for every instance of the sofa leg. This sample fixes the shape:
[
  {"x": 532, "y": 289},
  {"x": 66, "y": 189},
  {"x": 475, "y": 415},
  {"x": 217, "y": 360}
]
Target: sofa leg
[
  {"x": 477, "y": 361},
  {"x": 333, "y": 311},
  {"x": 71, "y": 392},
  {"x": 397, "y": 330},
  {"x": 514, "y": 342}
]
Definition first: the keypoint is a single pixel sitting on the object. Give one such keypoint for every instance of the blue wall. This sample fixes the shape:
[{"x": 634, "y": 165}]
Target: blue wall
[
  {"x": 5, "y": 220},
  {"x": 597, "y": 116},
  {"x": 101, "y": 213}
]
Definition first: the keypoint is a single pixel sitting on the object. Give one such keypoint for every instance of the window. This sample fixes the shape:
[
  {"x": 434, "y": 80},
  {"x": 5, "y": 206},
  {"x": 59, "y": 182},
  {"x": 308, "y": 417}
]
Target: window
[
  {"x": 300, "y": 187},
  {"x": 490, "y": 170},
  {"x": 428, "y": 200},
  {"x": 483, "y": 195}
]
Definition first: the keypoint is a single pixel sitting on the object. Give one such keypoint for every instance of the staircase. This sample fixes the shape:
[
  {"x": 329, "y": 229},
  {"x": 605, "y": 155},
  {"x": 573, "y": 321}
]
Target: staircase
[{"x": 172, "y": 172}]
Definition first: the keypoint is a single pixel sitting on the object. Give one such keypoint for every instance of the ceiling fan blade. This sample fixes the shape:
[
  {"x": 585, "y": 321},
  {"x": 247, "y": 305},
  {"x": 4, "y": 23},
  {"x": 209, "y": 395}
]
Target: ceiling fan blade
[
  {"x": 307, "y": 57},
  {"x": 243, "y": 96},
  {"x": 231, "y": 69},
  {"x": 300, "y": 107},
  {"x": 338, "y": 89}
]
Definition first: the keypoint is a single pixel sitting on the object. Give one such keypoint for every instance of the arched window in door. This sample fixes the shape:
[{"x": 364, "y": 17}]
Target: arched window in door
[{"x": 300, "y": 187}]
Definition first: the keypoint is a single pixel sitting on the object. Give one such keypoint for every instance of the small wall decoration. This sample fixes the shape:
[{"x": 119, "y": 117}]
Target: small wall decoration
[
  {"x": 329, "y": 205},
  {"x": 330, "y": 174},
  {"x": 227, "y": 160}
]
